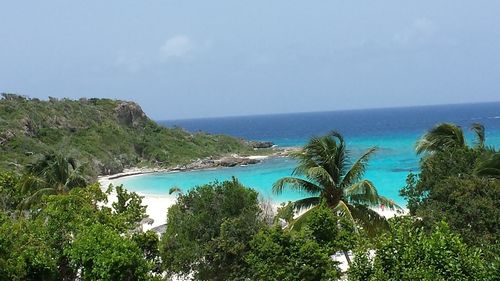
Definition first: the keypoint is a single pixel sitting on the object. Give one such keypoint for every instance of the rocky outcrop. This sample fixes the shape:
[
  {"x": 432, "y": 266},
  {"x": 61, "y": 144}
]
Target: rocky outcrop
[
  {"x": 108, "y": 168},
  {"x": 130, "y": 114},
  {"x": 227, "y": 161},
  {"x": 28, "y": 127},
  {"x": 10, "y": 96},
  {"x": 6, "y": 136},
  {"x": 260, "y": 144},
  {"x": 232, "y": 161}
]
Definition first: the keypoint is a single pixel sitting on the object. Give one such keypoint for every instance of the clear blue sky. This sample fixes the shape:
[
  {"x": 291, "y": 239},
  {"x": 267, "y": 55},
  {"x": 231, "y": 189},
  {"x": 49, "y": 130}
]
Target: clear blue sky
[{"x": 182, "y": 59}]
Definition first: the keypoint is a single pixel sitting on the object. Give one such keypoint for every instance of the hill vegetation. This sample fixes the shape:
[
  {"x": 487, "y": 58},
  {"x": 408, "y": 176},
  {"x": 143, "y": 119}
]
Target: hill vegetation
[
  {"x": 56, "y": 225},
  {"x": 108, "y": 135}
]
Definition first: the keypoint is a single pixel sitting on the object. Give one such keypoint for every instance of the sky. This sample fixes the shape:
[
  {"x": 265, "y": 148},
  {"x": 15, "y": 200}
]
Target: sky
[{"x": 195, "y": 59}]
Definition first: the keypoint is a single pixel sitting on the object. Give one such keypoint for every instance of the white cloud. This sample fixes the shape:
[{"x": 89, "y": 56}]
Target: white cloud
[{"x": 177, "y": 47}]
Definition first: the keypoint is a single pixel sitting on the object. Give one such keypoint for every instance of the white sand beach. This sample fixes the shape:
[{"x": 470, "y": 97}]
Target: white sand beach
[{"x": 157, "y": 205}]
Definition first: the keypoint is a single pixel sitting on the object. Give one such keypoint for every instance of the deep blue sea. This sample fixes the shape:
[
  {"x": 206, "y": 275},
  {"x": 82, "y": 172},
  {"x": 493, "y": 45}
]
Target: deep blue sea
[{"x": 394, "y": 131}]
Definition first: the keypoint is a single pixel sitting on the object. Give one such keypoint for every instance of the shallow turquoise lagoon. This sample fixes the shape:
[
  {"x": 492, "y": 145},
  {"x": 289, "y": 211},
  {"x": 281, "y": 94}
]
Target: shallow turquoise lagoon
[{"x": 388, "y": 170}]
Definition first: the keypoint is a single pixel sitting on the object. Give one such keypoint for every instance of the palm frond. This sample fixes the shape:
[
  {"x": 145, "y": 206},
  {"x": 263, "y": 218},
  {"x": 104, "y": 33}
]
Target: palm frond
[
  {"x": 368, "y": 219},
  {"x": 342, "y": 209},
  {"x": 29, "y": 182},
  {"x": 389, "y": 203},
  {"x": 295, "y": 184},
  {"x": 305, "y": 162},
  {"x": 357, "y": 170},
  {"x": 363, "y": 192},
  {"x": 338, "y": 136},
  {"x": 441, "y": 137},
  {"x": 175, "y": 189},
  {"x": 319, "y": 150},
  {"x": 478, "y": 129},
  {"x": 35, "y": 197},
  {"x": 75, "y": 179},
  {"x": 321, "y": 176},
  {"x": 306, "y": 203},
  {"x": 299, "y": 222},
  {"x": 340, "y": 161},
  {"x": 489, "y": 167}
]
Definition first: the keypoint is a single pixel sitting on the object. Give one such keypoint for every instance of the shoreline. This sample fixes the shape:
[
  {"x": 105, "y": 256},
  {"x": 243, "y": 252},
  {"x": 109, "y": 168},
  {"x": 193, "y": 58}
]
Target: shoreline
[
  {"x": 202, "y": 164},
  {"x": 157, "y": 207},
  {"x": 157, "y": 204}
]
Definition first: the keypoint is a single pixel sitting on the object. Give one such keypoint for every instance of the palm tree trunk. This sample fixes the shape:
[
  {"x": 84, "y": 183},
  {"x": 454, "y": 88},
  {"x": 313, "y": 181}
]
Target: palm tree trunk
[{"x": 347, "y": 258}]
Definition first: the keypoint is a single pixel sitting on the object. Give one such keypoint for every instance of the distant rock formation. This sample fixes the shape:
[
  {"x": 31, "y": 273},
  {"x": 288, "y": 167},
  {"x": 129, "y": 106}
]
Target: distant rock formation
[
  {"x": 260, "y": 144},
  {"x": 227, "y": 161},
  {"x": 231, "y": 161},
  {"x": 130, "y": 114}
]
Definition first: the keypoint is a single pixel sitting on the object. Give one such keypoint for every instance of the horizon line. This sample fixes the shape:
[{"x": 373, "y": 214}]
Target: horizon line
[{"x": 329, "y": 111}]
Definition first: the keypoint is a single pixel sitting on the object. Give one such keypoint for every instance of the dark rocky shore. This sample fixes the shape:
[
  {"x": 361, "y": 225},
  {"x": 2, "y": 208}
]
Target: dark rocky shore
[{"x": 212, "y": 162}]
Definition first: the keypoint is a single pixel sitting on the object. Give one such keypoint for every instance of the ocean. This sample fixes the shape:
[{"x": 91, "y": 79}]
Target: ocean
[{"x": 393, "y": 130}]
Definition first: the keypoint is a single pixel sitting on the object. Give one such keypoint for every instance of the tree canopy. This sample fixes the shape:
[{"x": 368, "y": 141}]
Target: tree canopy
[
  {"x": 408, "y": 252},
  {"x": 208, "y": 230}
]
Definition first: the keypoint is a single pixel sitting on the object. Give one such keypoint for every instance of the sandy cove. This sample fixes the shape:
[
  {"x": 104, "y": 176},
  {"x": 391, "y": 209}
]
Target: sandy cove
[{"x": 157, "y": 205}]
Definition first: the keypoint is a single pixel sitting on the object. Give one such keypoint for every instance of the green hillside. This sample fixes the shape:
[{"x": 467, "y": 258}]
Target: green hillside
[{"x": 107, "y": 135}]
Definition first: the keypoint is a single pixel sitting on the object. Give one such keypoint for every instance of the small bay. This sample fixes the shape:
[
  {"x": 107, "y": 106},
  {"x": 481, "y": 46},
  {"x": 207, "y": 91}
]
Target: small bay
[{"x": 394, "y": 131}]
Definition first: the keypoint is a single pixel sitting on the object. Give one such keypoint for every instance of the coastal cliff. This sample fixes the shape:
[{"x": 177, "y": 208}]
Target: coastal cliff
[{"x": 106, "y": 135}]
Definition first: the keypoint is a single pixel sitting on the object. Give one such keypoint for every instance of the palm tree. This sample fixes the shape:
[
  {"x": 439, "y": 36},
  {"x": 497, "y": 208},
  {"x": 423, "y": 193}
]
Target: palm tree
[
  {"x": 490, "y": 167},
  {"x": 325, "y": 171},
  {"x": 52, "y": 174},
  {"x": 447, "y": 136},
  {"x": 478, "y": 129}
]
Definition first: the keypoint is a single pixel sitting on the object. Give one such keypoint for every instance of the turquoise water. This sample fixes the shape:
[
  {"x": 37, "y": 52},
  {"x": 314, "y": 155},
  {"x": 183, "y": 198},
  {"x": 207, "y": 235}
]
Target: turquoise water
[
  {"x": 393, "y": 131},
  {"x": 388, "y": 170}
]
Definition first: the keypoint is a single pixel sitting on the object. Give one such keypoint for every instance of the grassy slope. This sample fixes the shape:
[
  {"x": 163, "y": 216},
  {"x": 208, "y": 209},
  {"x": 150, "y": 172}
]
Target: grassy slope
[{"x": 109, "y": 135}]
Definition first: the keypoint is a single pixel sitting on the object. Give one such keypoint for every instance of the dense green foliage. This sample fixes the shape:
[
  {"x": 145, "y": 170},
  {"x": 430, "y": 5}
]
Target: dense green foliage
[
  {"x": 70, "y": 234},
  {"x": 52, "y": 174},
  {"x": 332, "y": 232},
  {"x": 469, "y": 204},
  {"x": 107, "y": 134},
  {"x": 410, "y": 253},
  {"x": 330, "y": 177},
  {"x": 10, "y": 193},
  {"x": 103, "y": 254},
  {"x": 208, "y": 231},
  {"x": 215, "y": 232},
  {"x": 276, "y": 254},
  {"x": 450, "y": 188},
  {"x": 459, "y": 184}
]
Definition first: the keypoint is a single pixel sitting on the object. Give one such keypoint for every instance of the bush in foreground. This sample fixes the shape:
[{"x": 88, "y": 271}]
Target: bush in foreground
[{"x": 410, "y": 253}]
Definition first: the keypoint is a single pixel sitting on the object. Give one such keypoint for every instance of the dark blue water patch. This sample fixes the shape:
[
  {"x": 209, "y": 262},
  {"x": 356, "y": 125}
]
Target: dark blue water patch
[
  {"x": 288, "y": 129},
  {"x": 409, "y": 170}
]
